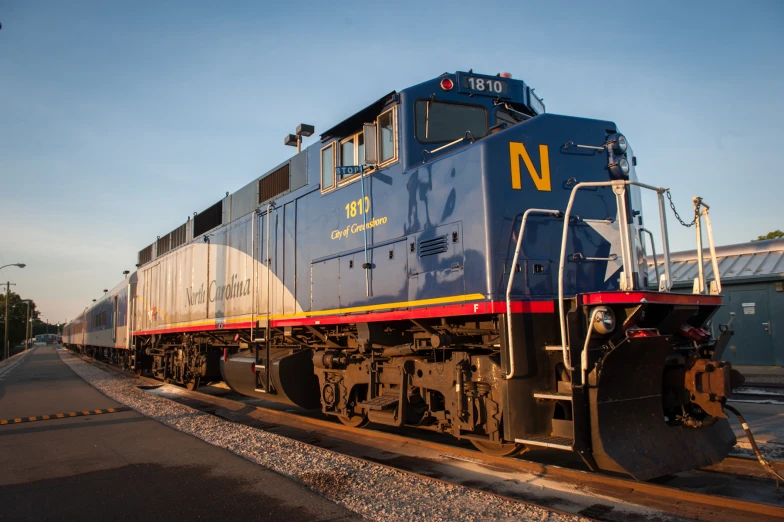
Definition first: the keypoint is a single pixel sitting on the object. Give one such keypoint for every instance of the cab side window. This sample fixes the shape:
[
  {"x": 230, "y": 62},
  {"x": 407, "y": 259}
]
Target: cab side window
[
  {"x": 352, "y": 153},
  {"x": 328, "y": 167},
  {"x": 387, "y": 137}
]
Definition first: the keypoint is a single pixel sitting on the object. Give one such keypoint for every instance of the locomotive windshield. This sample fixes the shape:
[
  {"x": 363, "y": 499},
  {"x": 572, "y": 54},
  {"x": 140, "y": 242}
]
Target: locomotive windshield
[{"x": 438, "y": 121}]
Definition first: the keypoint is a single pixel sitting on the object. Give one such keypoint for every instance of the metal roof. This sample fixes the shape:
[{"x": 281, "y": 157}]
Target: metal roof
[
  {"x": 354, "y": 123},
  {"x": 742, "y": 262}
]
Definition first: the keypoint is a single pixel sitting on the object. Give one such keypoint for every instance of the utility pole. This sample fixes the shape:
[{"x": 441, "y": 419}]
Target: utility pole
[
  {"x": 8, "y": 286},
  {"x": 27, "y": 325}
]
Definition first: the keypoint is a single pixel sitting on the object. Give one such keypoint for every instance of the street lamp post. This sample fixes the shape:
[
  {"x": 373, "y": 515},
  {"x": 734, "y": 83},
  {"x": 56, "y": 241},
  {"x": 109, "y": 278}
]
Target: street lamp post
[{"x": 5, "y": 328}]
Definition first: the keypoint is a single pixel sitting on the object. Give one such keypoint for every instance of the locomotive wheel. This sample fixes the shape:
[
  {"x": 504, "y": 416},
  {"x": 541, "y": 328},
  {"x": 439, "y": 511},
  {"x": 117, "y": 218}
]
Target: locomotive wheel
[
  {"x": 357, "y": 421},
  {"x": 498, "y": 449},
  {"x": 193, "y": 383}
]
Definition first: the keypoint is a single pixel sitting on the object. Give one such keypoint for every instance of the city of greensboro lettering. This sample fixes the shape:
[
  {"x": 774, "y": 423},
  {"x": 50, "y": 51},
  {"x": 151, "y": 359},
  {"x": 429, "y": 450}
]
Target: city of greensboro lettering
[{"x": 357, "y": 227}]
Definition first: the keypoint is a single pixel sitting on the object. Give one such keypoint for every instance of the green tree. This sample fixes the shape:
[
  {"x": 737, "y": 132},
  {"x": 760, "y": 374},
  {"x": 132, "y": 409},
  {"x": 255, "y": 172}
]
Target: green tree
[
  {"x": 776, "y": 234},
  {"x": 17, "y": 310}
]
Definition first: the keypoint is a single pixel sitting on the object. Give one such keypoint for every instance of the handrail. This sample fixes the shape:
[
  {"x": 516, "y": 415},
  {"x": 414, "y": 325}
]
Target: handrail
[
  {"x": 701, "y": 209},
  {"x": 512, "y": 272},
  {"x": 653, "y": 251},
  {"x": 619, "y": 187},
  {"x": 627, "y": 282},
  {"x": 584, "y": 355}
]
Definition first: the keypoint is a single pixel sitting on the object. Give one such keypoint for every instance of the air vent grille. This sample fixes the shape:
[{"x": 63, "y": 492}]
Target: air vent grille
[
  {"x": 171, "y": 241},
  {"x": 208, "y": 219},
  {"x": 145, "y": 255},
  {"x": 177, "y": 236},
  {"x": 274, "y": 184},
  {"x": 431, "y": 247},
  {"x": 163, "y": 245}
]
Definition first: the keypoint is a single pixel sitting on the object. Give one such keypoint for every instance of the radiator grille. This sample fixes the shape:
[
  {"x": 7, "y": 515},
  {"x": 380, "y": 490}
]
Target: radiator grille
[
  {"x": 163, "y": 245},
  {"x": 431, "y": 247},
  {"x": 274, "y": 184},
  {"x": 208, "y": 219},
  {"x": 170, "y": 241},
  {"x": 145, "y": 255},
  {"x": 177, "y": 237}
]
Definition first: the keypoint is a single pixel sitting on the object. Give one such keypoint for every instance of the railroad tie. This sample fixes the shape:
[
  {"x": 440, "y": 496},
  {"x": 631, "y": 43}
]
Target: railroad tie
[{"x": 54, "y": 416}]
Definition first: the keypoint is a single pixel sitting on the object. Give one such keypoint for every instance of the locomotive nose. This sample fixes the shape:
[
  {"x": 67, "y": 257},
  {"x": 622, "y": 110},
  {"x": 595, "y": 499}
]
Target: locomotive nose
[{"x": 658, "y": 407}]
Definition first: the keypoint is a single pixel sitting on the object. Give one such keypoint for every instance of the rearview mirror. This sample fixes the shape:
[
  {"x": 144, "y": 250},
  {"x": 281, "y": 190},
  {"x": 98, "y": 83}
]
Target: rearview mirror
[{"x": 371, "y": 147}]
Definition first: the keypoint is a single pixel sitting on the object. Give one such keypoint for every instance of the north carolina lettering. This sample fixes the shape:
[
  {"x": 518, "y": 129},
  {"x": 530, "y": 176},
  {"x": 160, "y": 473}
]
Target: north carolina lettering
[{"x": 235, "y": 288}]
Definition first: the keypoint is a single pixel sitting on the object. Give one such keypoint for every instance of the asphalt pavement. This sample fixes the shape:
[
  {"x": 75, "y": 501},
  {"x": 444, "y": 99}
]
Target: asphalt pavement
[{"x": 121, "y": 465}]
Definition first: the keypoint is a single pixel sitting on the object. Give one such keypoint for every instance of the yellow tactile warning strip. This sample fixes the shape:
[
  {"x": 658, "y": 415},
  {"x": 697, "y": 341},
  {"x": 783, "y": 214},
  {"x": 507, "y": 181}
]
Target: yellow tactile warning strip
[{"x": 19, "y": 420}]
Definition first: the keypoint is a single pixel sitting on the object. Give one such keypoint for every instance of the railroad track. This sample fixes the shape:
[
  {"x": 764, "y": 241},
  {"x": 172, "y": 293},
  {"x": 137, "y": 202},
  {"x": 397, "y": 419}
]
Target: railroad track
[
  {"x": 768, "y": 393},
  {"x": 513, "y": 478}
]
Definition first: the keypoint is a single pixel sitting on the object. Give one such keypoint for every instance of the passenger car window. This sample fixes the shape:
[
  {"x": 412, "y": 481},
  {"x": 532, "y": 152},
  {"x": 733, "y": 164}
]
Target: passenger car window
[
  {"x": 437, "y": 122},
  {"x": 328, "y": 167}
]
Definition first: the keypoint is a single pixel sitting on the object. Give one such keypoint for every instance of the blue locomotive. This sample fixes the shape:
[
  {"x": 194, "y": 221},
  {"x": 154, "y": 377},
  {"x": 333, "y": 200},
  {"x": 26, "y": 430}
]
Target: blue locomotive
[{"x": 450, "y": 257}]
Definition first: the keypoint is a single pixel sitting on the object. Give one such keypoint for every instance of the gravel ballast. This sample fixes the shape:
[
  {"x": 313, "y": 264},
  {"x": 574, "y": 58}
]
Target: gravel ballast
[{"x": 374, "y": 491}]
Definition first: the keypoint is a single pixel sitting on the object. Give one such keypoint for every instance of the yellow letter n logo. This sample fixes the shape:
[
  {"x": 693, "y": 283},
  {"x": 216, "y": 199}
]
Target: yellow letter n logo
[{"x": 541, "y": 181}]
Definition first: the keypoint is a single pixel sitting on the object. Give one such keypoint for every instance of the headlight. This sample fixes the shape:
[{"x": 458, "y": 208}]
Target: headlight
[
  {"x": 618, "y": 143},
  {"x": 604, "y": 321},
  {"x": 619, "y": 169}
]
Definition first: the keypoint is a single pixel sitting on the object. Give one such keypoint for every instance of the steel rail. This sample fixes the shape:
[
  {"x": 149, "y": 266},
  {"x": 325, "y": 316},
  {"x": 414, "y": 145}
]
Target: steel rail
[{"x": 656, "y": 496}]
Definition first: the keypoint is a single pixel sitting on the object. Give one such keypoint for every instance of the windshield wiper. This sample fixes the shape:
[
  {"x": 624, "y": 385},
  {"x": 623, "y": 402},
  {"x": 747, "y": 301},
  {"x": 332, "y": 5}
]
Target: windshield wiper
[{"x": 468, "y": 136}]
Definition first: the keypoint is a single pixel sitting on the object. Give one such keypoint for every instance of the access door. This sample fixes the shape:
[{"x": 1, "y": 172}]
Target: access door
[
  {"x": 114, "y": 320},
  {"x": 752, "y": 343}
]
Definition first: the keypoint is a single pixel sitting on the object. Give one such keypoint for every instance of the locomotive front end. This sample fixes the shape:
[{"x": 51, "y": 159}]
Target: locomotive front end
[
  {"x": 628, "y": 373},
  {"x": 653, "y": 385}
]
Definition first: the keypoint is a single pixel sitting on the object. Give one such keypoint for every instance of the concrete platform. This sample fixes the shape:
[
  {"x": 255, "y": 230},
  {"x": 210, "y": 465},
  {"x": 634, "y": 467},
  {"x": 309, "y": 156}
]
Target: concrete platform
[
  {"x": 122, "y": 466},
  {"x": 776, "y": 371}
]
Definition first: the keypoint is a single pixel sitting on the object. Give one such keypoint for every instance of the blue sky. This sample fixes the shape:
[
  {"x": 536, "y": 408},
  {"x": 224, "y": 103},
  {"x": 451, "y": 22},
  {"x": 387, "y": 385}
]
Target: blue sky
[{"x": 117, "y": 121}]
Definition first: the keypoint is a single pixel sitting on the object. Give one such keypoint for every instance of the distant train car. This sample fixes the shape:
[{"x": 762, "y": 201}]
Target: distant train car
[
  {"x": 452, "y": 258},
  {"x": 102, "y": 330}
]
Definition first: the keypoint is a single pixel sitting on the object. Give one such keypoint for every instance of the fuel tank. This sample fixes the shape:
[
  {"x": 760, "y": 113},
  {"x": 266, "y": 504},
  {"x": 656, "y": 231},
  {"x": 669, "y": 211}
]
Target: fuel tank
[{"x": 292, "y": 380}]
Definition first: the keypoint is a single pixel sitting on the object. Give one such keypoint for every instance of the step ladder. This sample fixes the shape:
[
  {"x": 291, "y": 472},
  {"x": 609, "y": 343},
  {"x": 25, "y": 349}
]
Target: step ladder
[
  {"x": 545, "y": 441},
  {"x": 386, "y": 401},
  {"x": 553, "y": 396}
]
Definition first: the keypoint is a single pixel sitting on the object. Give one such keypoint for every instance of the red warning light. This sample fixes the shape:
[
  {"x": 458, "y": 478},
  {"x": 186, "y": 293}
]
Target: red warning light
[
  {"x": 447, "y": 84},
  {"x": 506, "y": 75}
]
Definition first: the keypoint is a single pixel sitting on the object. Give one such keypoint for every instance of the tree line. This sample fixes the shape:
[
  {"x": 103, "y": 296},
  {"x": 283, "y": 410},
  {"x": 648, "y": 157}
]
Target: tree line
[{"x": 17, "y": 315}]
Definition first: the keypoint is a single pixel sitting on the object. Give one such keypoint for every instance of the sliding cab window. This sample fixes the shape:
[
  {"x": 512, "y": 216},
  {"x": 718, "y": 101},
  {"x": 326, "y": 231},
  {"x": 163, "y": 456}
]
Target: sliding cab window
[
  {"x": 386, "y": 128},
  {"x": 351, "y": 154},
  {"x": 438, "y": 122},
  {"x": 328, "y": 167}
]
